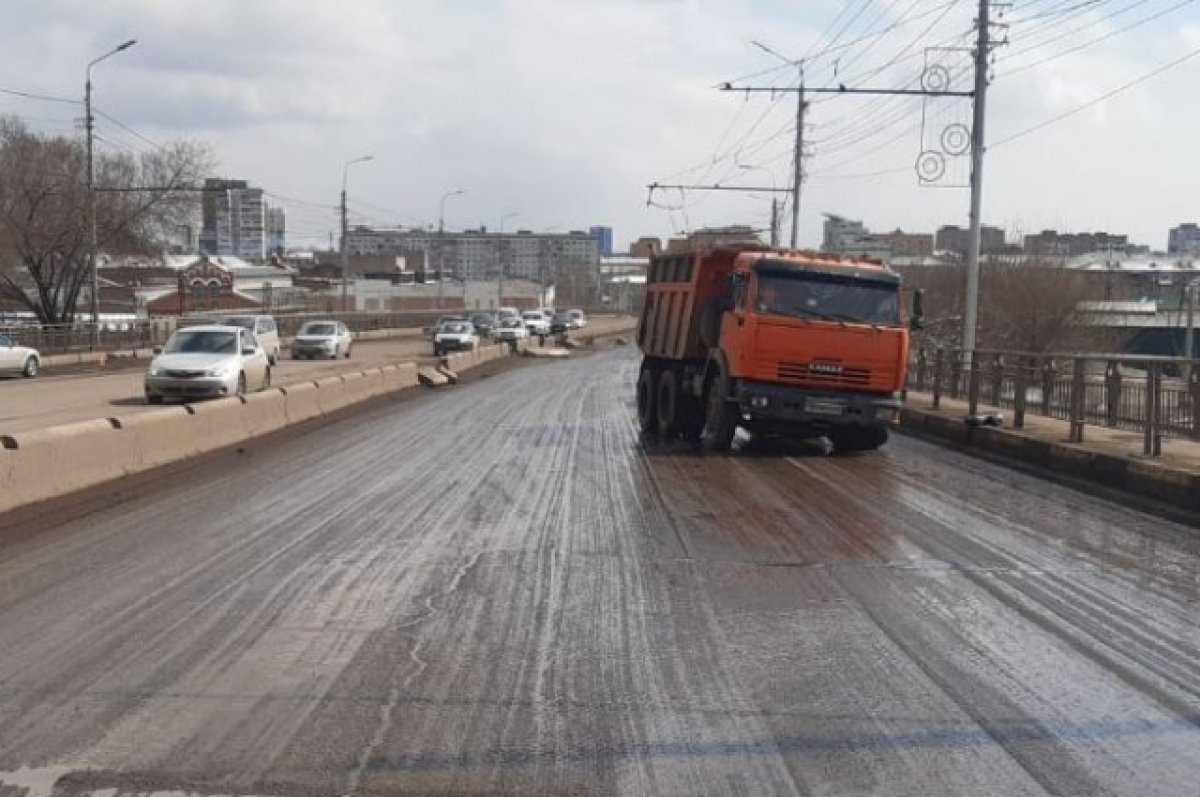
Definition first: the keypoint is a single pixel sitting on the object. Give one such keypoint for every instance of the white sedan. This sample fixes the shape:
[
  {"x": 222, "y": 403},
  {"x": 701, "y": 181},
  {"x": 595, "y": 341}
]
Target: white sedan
[
  {"x": 16, "y": 359},
  {"x": 510, "y": 328},
  {"x": 329, "y": 339},
  {"x": 536, "y": 321},
  {"x": 455, "y": 336},
  {"x": 205, "y": 362}
]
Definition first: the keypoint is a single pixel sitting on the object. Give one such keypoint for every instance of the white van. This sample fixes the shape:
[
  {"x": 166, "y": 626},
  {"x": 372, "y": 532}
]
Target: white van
[{"x": 263, "y": 327}]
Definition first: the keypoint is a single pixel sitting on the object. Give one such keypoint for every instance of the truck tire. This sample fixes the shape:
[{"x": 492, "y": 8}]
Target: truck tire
[
  {"x": 691, "y": 417},
  {"x": 720, "y": 416},
  {"x": 668, "y": 404},
  {"x": 647, "y": 398}
]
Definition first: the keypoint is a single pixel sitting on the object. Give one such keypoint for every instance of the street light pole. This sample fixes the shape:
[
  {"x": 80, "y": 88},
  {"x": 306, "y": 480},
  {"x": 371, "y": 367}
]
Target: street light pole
[
  {"x": 442, "y": 242},
  {"x": 93, "y": 233},
  {"x": 503, "y": 250},
  {"x": 345, "y": 226}
]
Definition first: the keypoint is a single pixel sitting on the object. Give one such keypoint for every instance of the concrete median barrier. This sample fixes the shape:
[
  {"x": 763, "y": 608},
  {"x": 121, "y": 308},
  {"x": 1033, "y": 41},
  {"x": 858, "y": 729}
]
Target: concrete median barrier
[
  {"x": 157, "y": 437},
  {"x": 263, "y": 412},
  {"x": 216, "y": 423},
  {"x": 301, "y": 402},
  {"x": 331, "y": 394},
  {"x": 399, "y": 377},
  {"x": 47, "y": 463}
]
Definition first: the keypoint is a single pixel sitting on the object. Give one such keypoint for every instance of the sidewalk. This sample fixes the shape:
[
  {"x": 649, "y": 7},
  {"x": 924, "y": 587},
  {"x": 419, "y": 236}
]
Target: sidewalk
[{"x": 1108, "y": 461}]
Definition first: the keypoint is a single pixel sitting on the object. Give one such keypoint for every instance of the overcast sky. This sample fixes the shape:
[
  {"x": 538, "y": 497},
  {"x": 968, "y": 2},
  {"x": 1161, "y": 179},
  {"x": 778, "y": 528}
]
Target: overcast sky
[{"x": 564, "y": 110}]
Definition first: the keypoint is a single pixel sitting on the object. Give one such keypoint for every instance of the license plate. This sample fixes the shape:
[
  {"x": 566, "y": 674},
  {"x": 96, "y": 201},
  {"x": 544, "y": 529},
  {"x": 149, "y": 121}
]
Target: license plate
[{"x": 824, "y": 407}]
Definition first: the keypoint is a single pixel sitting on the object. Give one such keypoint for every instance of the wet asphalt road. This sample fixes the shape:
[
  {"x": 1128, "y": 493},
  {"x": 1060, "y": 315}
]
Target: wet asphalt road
[{"x": 499, "y": 589}]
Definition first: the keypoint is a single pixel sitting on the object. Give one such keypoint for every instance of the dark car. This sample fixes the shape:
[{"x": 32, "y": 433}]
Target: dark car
[
  {"x": 484, "y": 323},
  {"x": 561, "y": 323}
]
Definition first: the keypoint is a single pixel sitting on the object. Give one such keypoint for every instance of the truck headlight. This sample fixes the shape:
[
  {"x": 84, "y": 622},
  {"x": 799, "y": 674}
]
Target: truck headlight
[{"x": 760, "y": 402}]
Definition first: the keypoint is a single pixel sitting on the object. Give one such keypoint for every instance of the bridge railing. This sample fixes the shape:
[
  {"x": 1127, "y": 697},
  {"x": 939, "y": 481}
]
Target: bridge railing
[
  {"x": 51, "y": 339},
  {"x": 1154, "y": 396}
]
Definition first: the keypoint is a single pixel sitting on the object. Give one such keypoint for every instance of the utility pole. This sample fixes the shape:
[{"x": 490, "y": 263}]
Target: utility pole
[
  {"x": 1189, "y": 334},
  {"x": 345, "y": 227},
  {"x": 93, "y": 233},
  {"x": 502, "y": 255},
  {"x": 344, "y": 257},
  {"x": 774, "y": 223},
  {"x": 798, "y": 177},
  {"x": 982, "y": 49},
  {"x": 89, "y": 123},
  {"x": 442, "y": 244}
]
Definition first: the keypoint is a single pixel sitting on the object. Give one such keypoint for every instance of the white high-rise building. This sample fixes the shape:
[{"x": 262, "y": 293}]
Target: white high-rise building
[{"x": 234, "y": 220}]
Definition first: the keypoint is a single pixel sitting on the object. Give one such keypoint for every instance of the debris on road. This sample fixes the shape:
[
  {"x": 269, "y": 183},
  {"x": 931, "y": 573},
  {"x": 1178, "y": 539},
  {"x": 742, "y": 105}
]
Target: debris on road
[{"x": 431, "y": 377}]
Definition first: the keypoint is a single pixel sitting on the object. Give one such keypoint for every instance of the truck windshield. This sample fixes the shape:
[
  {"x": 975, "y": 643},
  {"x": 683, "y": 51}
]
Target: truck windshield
[{"x": 828, "y": 297}]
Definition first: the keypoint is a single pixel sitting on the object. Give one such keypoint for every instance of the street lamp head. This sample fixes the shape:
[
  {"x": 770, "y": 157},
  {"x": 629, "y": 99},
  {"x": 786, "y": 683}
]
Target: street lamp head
[{"x": 126, "y": 45}]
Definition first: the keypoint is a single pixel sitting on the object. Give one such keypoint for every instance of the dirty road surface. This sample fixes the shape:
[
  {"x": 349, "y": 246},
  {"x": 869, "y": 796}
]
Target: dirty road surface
[{"x": 499, "y": 589}]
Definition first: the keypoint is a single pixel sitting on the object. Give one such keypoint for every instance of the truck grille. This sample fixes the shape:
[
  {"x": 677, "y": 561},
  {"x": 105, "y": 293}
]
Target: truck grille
[{"x": 824, "y": 374}]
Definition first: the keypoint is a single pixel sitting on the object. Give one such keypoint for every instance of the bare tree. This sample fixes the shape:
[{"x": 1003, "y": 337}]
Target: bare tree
[
  {"x": 44, "y": 236},
  {"x": 1026, "y": 304}
]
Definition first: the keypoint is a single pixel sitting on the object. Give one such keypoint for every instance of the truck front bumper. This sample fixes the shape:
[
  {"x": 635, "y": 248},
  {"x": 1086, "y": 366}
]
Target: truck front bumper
[{"x": 764, "y": 405}]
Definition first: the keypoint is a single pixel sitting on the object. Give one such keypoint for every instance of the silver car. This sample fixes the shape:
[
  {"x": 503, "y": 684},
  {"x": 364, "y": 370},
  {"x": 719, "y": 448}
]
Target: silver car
[
  {"x": 206, "y": 362},
  {"x": 16, "y": 359},
  {"x": 330, "y": 339}
]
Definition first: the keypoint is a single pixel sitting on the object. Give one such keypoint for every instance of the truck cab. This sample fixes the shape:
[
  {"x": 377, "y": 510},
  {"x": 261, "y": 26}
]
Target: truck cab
[{"x": 797, "y": 344}]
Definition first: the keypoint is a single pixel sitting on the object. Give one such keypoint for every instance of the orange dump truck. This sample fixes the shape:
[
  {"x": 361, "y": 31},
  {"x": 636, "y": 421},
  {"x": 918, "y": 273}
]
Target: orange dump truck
[{"x": 787, "y": 343}]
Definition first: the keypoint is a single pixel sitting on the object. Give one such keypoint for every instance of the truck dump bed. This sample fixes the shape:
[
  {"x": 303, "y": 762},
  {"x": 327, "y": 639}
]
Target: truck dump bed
[{"x": 683, "y": 293}]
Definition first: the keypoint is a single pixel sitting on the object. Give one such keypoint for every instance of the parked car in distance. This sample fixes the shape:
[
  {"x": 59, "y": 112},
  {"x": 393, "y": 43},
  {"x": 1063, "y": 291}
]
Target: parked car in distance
[
  {"x": 331, "y": 339},
  {"x": 536, "y": 321},
  {"x": 578, "y": 318},
  {"x": 265, "y": 330},
  {"x": 511, "y": 328},
  {"x": 560, "y": 323},
  {"x": 508, "y": 312},
  {"x": 454, "y": 336},
  {"x": 484, "y": 323},
  {"x": 206, "y": 362},
  {"x": 15, "y": 359}
]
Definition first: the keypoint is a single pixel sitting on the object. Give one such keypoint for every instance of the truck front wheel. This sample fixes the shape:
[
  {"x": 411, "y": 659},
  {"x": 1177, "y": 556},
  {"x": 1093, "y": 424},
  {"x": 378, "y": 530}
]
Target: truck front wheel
[
  {"x": 647, "y": 398},
  {"x": 720, "y": 416}
]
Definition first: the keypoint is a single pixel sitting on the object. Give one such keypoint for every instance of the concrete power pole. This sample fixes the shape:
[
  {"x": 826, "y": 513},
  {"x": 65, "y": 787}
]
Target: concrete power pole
[
  {"x": 982, "y": 49},
  {"x": 93, "y": 235},
  {"x": 798, "y": 177},
  {"x": 774, "y": 223},
  {"x": 345, "y": 260}
]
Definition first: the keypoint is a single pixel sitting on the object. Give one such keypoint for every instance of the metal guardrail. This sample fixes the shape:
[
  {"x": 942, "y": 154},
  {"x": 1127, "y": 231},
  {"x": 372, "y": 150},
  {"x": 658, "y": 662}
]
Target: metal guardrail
[
  {"x": 1155, "y": 396},
  {"x": 51, "y": 339}
]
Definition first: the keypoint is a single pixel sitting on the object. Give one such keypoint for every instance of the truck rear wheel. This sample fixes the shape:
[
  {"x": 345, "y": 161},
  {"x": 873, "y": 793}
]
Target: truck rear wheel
[
  {"x": 720, "y": 416},
  {"x": 691, "y": 416},
  {"x": 647, "y": 398},
  {"x": 668, "y": 404}
]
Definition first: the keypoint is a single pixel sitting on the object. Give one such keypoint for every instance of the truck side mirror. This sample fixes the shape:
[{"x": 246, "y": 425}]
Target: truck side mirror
[{"x": 917, "y": 318}]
